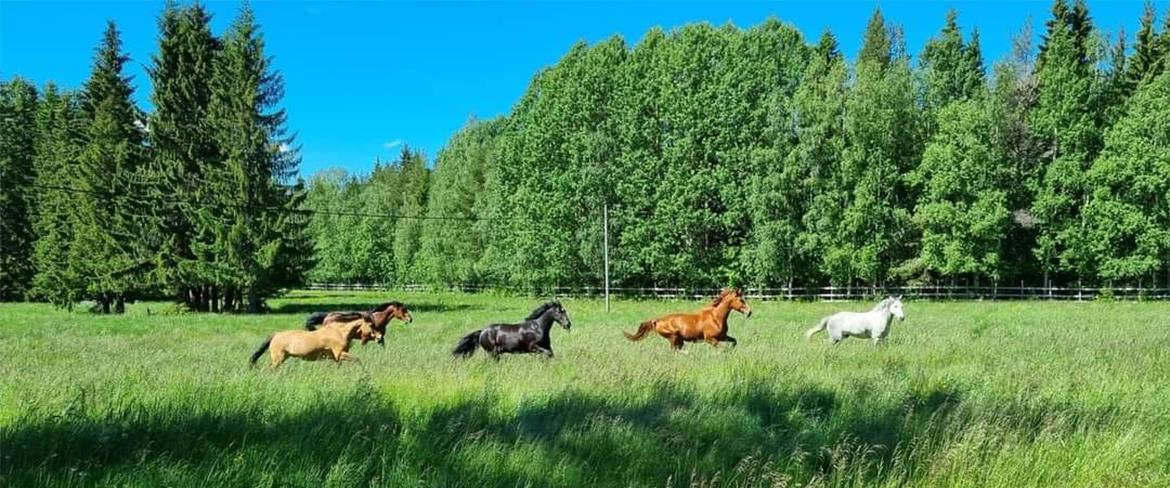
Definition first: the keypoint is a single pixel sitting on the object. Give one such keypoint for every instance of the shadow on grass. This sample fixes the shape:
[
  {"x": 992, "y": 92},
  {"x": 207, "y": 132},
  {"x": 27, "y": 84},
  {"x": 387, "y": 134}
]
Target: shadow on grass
[{"x": 569, "y": 438}]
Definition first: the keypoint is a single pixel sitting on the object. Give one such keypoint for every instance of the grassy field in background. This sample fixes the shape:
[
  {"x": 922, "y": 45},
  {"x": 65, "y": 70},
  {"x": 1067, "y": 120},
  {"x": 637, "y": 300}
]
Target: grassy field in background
[{"x": 963, "y": 394}]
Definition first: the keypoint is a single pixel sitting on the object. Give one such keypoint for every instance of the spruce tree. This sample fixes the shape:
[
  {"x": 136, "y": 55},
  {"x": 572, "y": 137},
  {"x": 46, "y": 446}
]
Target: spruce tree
[
  {"x": 18, "y": 108},
  {"x": 408, "y": 229},
  {"x": 1144, "y": 61},
  {"x": 110, "y": 248},
  {"x": 182, "y": 143},
  {"x": 251, "y": 231},
  {"x": 1066, "y": 120},
  {"x": 59, "y": 132}
]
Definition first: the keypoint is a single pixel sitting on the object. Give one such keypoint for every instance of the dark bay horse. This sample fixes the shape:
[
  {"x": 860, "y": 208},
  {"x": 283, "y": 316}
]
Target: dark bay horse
[
  {"x": 530, "y": 336},
  {"x": 380, "y": 316},
  {"x": 708, "y": 324}
]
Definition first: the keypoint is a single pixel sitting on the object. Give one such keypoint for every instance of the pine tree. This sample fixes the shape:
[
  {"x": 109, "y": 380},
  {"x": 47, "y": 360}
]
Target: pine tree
[
  {"x": 256, "y": 232},
  {"x": 59, "y": 131},
  {"x": 18, "y": 108},
  {"x": 182, "y": 143},
  {"x": 109, "y": 250}
]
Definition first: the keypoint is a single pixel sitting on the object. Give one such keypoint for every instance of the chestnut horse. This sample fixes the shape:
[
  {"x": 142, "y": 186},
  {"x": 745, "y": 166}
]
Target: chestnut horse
[
  {"x": 329, "y": 341},
  {"x": 708, "y": 324},
  {"x": 380, "y": 316}
]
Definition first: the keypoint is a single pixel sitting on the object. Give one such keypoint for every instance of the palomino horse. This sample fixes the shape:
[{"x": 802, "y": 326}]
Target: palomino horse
[
  {"x": 873, "y": 324},
  {"x": 708, "y": 324},
  {"x": 380, "y": 316},
  {"x": 532, "y": 335},
  {"x": 329, "y": 341}
]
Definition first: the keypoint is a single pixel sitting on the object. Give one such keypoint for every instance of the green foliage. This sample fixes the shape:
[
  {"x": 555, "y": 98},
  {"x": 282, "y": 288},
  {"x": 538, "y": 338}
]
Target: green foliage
[
  {"x": 723, "y": 155},
  {"x": 18, "y": 109},
  {"x": 251, "y": 235},
  {"x": 110, "y": 251},
  {"x": 450, "y": 248},
  {"x": 1066, "y": 120},
  {"x": 183, "y": 152},
  {"x": 963, "y": 210},
  {"x": 59, "y": 131},
  {"x": 1128, "y": 212}
]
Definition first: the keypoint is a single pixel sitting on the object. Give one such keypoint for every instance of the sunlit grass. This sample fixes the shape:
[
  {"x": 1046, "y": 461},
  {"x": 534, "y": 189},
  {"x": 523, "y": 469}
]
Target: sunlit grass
[{"x": 963, "y": 394}]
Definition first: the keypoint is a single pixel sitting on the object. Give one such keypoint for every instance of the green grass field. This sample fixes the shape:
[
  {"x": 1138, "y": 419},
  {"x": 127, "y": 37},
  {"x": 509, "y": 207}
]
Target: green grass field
[{"x": 963, "y": 394}]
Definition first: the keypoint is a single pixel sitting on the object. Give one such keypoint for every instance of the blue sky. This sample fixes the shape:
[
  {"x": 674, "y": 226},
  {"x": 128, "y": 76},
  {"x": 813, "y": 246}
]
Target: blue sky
[{"x": 362, "y": 78}]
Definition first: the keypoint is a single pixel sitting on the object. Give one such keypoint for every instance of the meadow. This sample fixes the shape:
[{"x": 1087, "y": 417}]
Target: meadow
[{"x": 963, "y": 394}]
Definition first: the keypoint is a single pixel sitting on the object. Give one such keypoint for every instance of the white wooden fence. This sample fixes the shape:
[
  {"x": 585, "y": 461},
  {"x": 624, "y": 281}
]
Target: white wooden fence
[{"x": 827, "y": 293}]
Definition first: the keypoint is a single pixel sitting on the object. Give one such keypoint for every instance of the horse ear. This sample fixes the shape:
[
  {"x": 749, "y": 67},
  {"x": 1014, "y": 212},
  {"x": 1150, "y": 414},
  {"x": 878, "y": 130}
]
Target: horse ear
[{"x": 899, "y": 298}]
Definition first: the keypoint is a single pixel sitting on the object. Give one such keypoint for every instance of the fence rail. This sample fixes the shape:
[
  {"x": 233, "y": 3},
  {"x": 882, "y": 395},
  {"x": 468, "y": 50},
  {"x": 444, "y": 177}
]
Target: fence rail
[{"x": 826, "y": 293}]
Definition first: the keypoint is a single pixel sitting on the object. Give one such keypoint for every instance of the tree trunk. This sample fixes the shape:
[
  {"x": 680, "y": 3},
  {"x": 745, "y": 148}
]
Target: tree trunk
[
  {"x": 120, "y": 304},
  {"x": 253, "y": 299},
  {"x": 105, "y": 302}
]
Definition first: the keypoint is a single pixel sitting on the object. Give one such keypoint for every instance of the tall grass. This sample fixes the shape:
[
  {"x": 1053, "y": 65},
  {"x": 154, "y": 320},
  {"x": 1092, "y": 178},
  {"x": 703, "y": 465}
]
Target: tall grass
[{"x": 963, "y": 394}]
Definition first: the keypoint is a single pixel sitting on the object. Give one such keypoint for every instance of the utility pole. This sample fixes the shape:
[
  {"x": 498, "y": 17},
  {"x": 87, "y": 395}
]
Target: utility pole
[{"x": 605, "y": 232}]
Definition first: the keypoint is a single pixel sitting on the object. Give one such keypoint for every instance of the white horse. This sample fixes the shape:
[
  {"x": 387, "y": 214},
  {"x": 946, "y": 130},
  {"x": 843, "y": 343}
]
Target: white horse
[{"x": 873, "y": 324}]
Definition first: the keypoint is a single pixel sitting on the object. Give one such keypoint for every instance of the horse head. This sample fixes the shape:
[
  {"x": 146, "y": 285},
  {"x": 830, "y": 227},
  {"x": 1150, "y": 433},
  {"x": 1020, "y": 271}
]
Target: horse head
[
  {"x": 895, "y": 307},
  {"x": 399, "y": 311},
  {"x": 735, "y": 300},
  {"x": 559, "y": 315}
]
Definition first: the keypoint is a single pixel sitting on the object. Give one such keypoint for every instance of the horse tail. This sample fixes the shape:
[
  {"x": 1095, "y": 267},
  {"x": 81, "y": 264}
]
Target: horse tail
[
  {"x": 466, "y": 346},
  {"x": 819, "y": 327},
  {"x": 315, "y": 320},
  {"x": 263, "y": 347},
  {"x": 646, "y": 327}
]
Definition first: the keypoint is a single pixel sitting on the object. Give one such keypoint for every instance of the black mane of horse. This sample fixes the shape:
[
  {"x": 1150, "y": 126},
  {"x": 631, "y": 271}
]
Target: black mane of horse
[{"x": 540, "y": 310}]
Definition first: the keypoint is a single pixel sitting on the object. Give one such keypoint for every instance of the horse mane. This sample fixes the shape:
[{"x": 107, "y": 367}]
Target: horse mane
[
  {"x": 723, "y": 294},
  {"x": 883, "y": 304},
  {"x": 540, "y": 310},
  {"x": 347, "y": 316},
  {"x": 383, "y": 306}
]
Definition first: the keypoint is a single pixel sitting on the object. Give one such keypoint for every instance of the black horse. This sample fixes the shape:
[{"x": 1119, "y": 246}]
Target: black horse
[{"x": 530, "y": 336}]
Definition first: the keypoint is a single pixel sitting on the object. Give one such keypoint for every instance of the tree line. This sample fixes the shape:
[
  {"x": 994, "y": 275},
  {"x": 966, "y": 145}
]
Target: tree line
[
  {"x": 756, "y": 157},
  {"x": 753, "y": 156},
  {"x": 194, "y": 200}
]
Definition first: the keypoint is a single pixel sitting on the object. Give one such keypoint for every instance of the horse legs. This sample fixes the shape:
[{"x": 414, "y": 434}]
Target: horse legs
[
  {"x": 713, "y": 341},
  {"x": 547, "y": 352},
  {"x": 676, "y": 342},
  {"x": 277, "y": 358},
  {"x": 730, "y": 339}
]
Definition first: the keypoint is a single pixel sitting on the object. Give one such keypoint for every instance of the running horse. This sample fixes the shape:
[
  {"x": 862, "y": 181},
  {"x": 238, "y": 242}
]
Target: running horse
[
  {"x": 708, "y": 325},
  {"x": 873, "y": 325},
  {"x": 530, "y": 336},
  {"x": 328, "y": 341},
  {"x": 380, "y": 317}
]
